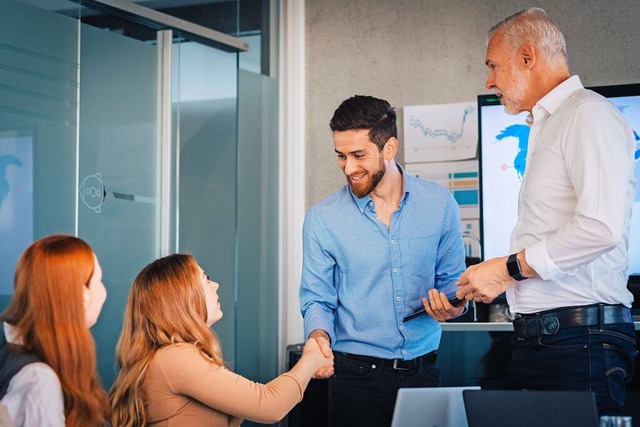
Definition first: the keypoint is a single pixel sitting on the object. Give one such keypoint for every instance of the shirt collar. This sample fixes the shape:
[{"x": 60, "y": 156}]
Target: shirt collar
[
  {"x": 365, "y": 201},
  {"x": 552, "y": 100}
]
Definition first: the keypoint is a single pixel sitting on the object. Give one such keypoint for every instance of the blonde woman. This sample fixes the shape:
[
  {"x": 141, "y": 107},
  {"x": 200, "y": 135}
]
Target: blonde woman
[
  {"x": 48, "y": 374},
  {"x": 171, "y": 367}
]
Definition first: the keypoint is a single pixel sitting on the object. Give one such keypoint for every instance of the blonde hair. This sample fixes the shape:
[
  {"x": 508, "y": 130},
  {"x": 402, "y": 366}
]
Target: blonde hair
[
  {"x": 166, "y": 305},
  {"x": 47, "y": 311}
]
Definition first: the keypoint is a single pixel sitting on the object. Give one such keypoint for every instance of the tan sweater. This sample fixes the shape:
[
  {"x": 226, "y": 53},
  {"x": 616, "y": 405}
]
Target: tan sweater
[{"x": 184, "y": 388}]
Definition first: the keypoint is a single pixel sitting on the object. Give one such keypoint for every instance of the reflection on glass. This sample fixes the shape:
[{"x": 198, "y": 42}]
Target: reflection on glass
[
  {"x": 16, "y": 201},
  {"x": 38, "y": 110}
]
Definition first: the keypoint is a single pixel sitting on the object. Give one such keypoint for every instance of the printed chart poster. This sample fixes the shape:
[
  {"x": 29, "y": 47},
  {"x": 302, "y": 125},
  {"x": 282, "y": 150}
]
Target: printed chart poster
[
  {"x": 16, "y": 203},
  {"x": 443, "y": 132},
  {"x": 461, "y": 179}
]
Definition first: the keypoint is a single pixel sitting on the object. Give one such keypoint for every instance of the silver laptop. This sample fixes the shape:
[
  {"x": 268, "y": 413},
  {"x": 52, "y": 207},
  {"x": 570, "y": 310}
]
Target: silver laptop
[
  {"x": 430, "y": 407},
  {"x": 495, "y": 408}
]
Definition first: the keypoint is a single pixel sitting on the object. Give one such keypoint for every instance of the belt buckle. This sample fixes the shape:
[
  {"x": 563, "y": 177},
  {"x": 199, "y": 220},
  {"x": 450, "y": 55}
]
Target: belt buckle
[
  {"x": 549, "y": 325},
  {"x": 400, "y": 368}
]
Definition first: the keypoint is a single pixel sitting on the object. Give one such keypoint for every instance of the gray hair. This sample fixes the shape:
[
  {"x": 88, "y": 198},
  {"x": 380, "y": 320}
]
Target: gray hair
[{"x": 534, "y": 26}]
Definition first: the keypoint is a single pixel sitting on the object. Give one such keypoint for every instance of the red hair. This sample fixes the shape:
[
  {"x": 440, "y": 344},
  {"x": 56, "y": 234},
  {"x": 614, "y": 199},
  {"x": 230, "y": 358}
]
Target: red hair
[{"x": 47, "y": 311}]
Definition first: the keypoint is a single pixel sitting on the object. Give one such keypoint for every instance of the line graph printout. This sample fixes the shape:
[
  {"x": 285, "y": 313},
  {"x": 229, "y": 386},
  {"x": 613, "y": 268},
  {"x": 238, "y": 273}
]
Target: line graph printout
[{"x": 442, "y": 132}]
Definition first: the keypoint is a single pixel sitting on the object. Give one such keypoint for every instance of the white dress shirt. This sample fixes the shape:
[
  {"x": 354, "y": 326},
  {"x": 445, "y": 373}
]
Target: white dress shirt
[
  {"x": 575, "y": 203},
  {"x": 34, "y": 397}
]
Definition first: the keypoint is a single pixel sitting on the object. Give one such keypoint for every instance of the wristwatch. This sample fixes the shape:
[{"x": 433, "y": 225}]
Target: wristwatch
[{"x": 513, "y": 267}]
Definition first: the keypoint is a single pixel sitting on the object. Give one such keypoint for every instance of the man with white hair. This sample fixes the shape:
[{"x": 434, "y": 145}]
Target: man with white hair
[{"x": 566, "y": 277}]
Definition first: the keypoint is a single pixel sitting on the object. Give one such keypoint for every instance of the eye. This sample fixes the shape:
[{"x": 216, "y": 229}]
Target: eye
[
  {"x": 358, "y": 156},
  {"x": 341, "y": 156}
]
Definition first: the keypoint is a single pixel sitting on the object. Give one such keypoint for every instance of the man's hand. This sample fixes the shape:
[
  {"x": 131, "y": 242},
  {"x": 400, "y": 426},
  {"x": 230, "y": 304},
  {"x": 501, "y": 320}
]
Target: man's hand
[
  {"x": 438, "y": 307},
  {"x": 485, "y": 281},
  {"x": 324, "y": 342}
]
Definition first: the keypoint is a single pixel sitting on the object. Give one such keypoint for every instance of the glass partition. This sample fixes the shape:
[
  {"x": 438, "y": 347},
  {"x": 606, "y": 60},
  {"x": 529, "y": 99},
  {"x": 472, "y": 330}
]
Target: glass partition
[
  {"x": 81, "y": 153},
  {"x": 257, "y": 251},
  {"x": 38, "y": 125},
  {"x": 205, "y": 110}
]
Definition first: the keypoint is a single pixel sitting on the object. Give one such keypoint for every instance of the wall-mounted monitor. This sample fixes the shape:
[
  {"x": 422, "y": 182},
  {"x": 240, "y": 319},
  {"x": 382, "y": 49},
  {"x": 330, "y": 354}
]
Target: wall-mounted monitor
[{"x": 503, "y": 140}]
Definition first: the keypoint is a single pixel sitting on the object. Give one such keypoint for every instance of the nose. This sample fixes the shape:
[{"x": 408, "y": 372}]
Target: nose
[
  {"x": 489, "y": 84},
  {"x": 349, "y": 166}
]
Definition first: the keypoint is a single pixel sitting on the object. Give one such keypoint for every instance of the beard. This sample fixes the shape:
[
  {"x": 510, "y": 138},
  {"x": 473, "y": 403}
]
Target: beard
[
  {"x": 366, "y": 186},
  {"x": 513, "y": 102}
]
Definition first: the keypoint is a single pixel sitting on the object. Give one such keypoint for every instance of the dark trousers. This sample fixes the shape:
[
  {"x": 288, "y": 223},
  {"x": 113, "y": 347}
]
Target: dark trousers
[
  {"x": 599, "y": 358},
  {"x": 363, "y": 390}
]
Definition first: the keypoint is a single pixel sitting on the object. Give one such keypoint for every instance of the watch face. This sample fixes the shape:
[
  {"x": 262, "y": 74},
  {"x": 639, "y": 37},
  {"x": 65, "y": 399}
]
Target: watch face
[{"x": 513, "y": 266}]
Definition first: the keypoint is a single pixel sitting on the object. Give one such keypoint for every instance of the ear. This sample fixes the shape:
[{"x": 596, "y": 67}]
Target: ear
[
  {"x": 390, "y": 148},
  {"x": 528, "y": 56}
]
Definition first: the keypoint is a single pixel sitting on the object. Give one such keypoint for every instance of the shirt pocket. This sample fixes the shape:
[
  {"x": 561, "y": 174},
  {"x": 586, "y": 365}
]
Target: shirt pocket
[{"x": 423, "y": 252}]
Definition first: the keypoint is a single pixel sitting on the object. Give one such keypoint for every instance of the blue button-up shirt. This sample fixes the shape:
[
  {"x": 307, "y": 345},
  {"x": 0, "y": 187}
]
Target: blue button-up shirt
[{"x": 360, "y": 278}]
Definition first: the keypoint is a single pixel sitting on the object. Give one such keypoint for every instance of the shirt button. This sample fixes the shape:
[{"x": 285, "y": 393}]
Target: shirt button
[
  {"x": 395, "y": 270},
  {"x": 402, "y": 327},
  {"x": 393, "y": 242},
  {"x": 397, "y": 298},
  {"x": 404, "y": 351}
]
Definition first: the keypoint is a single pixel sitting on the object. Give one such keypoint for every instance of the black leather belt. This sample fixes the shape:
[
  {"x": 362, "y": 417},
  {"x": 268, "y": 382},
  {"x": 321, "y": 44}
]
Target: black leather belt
[
  {"x": 551, "y": 321},
  {"x": 396, "y": 364}
]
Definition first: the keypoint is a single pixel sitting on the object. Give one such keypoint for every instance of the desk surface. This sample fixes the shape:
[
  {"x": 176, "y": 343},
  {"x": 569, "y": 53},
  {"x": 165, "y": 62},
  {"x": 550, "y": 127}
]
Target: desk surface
[{"x": 487, "y": 326}]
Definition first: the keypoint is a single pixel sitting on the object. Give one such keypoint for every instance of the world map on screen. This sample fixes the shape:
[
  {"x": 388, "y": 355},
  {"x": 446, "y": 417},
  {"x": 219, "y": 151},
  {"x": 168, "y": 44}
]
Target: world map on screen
[{"x": 520, "y": 134}]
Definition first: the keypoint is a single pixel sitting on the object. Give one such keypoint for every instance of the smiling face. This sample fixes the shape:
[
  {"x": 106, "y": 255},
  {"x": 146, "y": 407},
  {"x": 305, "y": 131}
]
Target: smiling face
[
  {"x": 360, "y": 160},
  {"x": 214, "y": 313},
  {"x": 507, "y": 75}
]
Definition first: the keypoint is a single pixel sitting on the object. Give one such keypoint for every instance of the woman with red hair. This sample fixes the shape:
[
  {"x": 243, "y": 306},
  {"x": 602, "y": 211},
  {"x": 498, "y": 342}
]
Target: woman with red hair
[{"x": 48, "y": 374}]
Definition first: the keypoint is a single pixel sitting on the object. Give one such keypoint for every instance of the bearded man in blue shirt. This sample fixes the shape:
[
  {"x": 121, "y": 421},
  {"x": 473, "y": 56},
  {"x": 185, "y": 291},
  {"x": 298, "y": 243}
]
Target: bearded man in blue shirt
[{"x": 373, "y": 252}]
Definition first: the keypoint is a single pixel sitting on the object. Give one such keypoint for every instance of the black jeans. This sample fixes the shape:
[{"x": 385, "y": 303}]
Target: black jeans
[
  {"x": 363, "y": 393},
  {"x": 599, "y": 358}
]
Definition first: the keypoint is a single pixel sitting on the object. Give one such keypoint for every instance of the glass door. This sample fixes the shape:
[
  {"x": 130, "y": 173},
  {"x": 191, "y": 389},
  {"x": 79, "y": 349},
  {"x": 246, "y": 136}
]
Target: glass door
[{"x": 118, "y": 169}]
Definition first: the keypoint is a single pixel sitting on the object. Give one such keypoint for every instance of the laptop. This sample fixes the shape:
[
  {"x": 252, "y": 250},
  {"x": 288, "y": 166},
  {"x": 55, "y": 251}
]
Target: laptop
[
  {"x": 528, "y": 408},
  {"x": 430, "y": 407}
]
